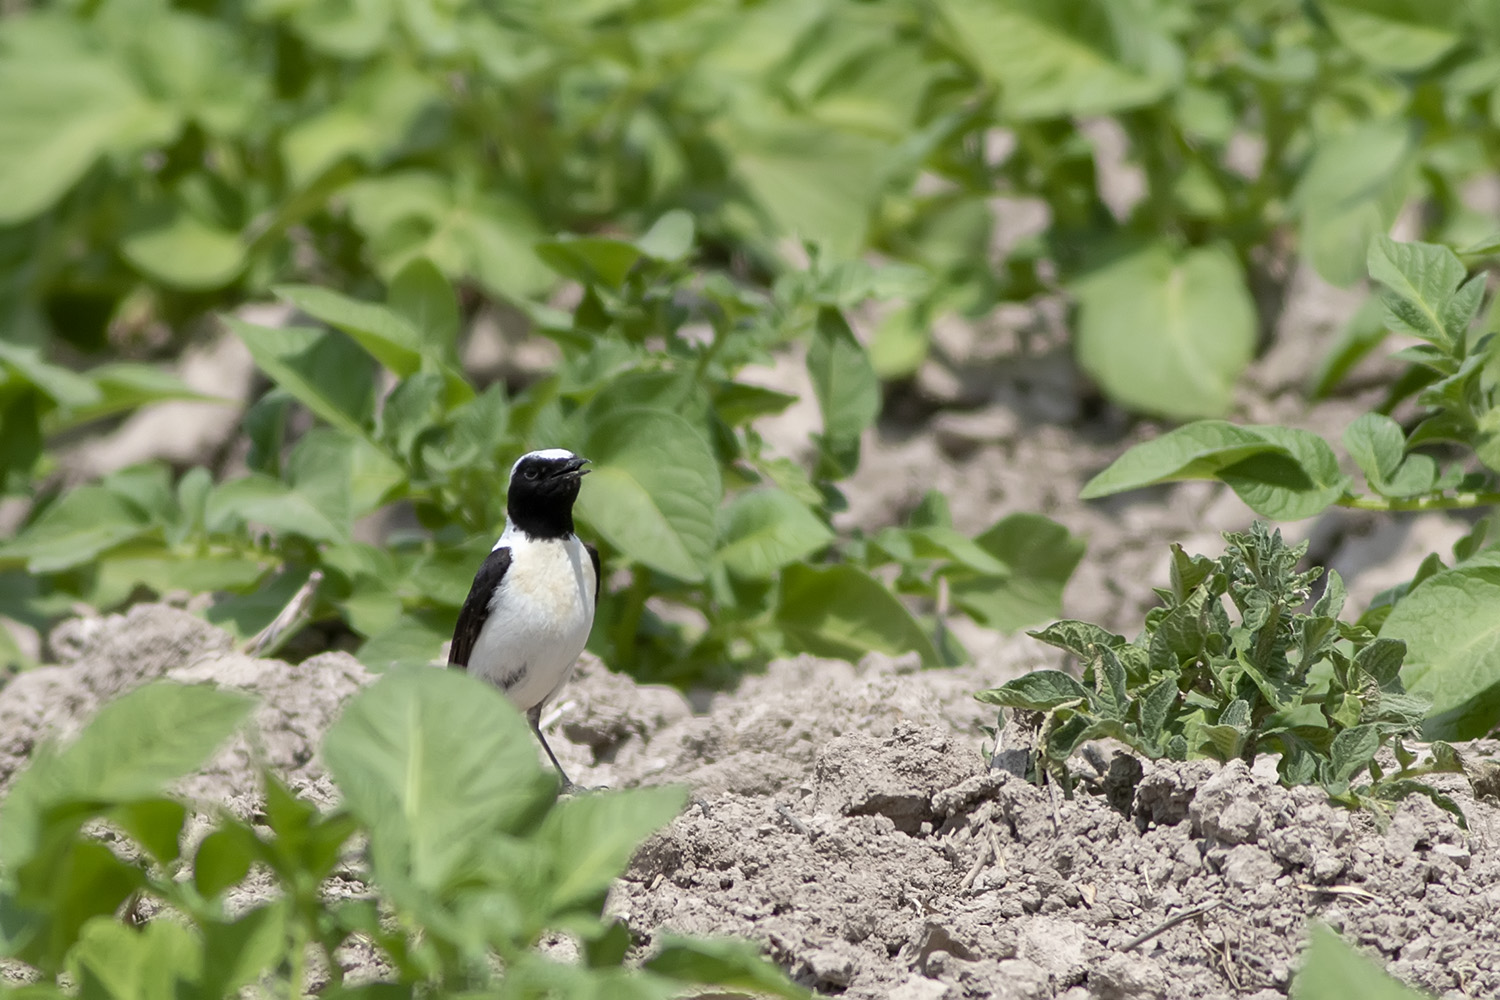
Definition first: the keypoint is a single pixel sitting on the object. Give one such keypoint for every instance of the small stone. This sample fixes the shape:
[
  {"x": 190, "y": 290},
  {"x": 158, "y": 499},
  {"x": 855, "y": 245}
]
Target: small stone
[
  {"x": 1457, "y": 853},
  {"x": 831, "y": 966},
  {"x": 1247, "y": 866},
  {"x": 920, "y": 988},
  {"x": 1127, "y": 977}
]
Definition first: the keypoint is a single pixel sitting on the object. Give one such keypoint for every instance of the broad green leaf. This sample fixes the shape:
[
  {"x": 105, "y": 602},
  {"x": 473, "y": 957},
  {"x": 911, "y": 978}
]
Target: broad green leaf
[
  {"x": 766, "y": 529},
  {"x": 1167, "y": 334},
  {"x": 423, "y": 297},
  {"x": 1451, "y": 626},
  {"x": 435, "y": 764},
  {"x": 160, "y": 959},
  {"x": 1420, "y": 279},
  {"x": 168, "y": 242},
  {"x": 1041, "y": 555},
  {"x": 388, "y": 336},
  {"x": 591, "y": 838},
  {"x": 223, "y": 860},
  {"x": 1194, "y": 451},
  {"x": 322, "y": 369},
  {"x": 1333, "y": 970},
  {"x": 1350, "y": 193},
  {"x": 1300, "y": 480},
  {"x": 670, "y": 237},
  {"x": 1352, "y": 750},
  {"x": 1402, "y": 35},
  {"x": 848, "y": 391},
  {"x": 1376, "y": 444},
  {"x": 1037, "y": 691},
  {"x": 408, "y": 641},
  {"x": 842, "y": 611},
  {"x": 735, "y": 965},
  {"x": 63, "y": 386},
  {"x": 257, "y": 499},
  {"x": 239, "y": 953},
  {"x": 1056, "y": 58},
  {"x": 814, "y": 183},
  {"x": 75, "y": 529},
  {"x": 131, "y": 750},
  {"x": 125, "y": 386},
  {"x": 590, "y": 260},
  {"x": 654, "y": 491},
  {"x": 1077, "y": 637},
  {"x": 59, "y": 113},
  {"x": 155, "y": 824}
]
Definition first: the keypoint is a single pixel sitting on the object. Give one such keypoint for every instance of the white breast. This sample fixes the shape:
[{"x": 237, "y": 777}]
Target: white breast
[{"x": 539, "y": 619}]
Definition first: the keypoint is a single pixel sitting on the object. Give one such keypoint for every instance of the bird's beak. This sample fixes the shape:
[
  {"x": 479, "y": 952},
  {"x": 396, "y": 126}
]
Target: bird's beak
[{"x": 576, "y": 465}]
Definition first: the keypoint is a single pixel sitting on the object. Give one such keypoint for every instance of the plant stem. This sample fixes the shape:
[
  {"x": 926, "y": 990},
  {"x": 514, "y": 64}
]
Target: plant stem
[{"x": 1455, "y": 501}]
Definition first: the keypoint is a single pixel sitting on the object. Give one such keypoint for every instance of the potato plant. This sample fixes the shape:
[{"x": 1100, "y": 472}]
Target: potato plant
[
  {"x": 687, "y": 504},
  {"x": 160, "y": 161},
  {"x": 469, "y": 854},
  {"x": 1444, "y": 456}
]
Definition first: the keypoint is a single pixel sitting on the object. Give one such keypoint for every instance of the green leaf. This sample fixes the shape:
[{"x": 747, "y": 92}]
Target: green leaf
[
  {"x": 1156, "y": 704},
  {"x": 59, "y": 113},
  {"x": 1332, "y": 970},
  {"x": 1352, "y": 750},
  {"x": 1300, "y": 480},
  {"x": 766, "y": 529},
  {"x": 168, "y": 242},
  {"x": 1078, "y": 638},
  {"x": 62, "y": 385},
  {"x": 223, "y": 860},
  {"x": 1194, "y": 451},
  {"x": 125, "y": 386},
  {"x": 422, "y": 296},
  {"x": 845, "y": 384},
  {"x": 735, "y": 965},
  {"x": 160, "y": 959},
  {"x": 131, "y": 750},
  {"x": 812, "y": 182},
  {"x": 1376, "y": 444},
  {"x": 842, "y": 611},
  {"x": 1038, "y": 691},
  {"x": 323, "y": 370},
  {"x": 1164, "y": 333},
  {"x": 155, "y": 824},
  {"x": 387, "y": 335},
  {"x": 435, "y": 764},
  {"x": 592, "y": 838},
  {"x": 1402, "y": 35},
  {"x": 1419, "y": 279},
  {"x": 1056, "y": 58},
  {"x": 240, "y": 953},
  {"x": 1041, "y": 555},
  {"x": 74, "y": 530},
  {"x": 654, "y": 490},
  {"x": 670, "y": 237},
  {"x": 1451, "y": 627},
  {"x": 590, "y": 260},
  {"x": 1350, "y": 193},
  {"x": 257, "y": 499}
]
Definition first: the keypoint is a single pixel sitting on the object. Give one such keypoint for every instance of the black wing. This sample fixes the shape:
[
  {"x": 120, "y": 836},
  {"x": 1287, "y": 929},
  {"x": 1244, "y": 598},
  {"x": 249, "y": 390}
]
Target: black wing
[
  {"x": 594, "y": 555},
  {"x": 476, "y": 607}
]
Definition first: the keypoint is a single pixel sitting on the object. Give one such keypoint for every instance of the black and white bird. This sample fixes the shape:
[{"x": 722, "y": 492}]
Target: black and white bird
[{"x": 529, "y": 612}]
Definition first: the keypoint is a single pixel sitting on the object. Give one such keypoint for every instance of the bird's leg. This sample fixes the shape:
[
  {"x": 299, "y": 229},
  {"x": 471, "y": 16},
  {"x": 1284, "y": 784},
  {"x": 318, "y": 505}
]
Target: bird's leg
[{"x": 534, "y": 716}]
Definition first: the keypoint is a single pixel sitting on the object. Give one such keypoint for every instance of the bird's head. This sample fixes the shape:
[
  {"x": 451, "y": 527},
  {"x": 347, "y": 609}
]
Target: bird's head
[{"x": 543, "y": 486}]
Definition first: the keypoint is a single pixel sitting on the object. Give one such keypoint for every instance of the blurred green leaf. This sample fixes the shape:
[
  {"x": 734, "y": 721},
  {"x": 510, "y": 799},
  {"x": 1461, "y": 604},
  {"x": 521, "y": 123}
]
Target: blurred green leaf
[
  {"x": 75, "y": 529},
  {"x": 842, "y": 611},
  {"x": 847, "y": 390},
  {"x": 592, "y": 838},
  {"x": 168, "y": 242},
  {"x": 1054, "y": 58},
  {"x": 1167, "y": 334},
  {"x": 323, "y": 370},
  {"x": 1041, "y": 556},
  {"x": 735, "y": 965},
  {"x": 767, "y": 529},
  {"x": 1332, "y": 970},
  {"x": 126, "y": 963},
  {"x": 1350, "y": 193},
  {"x": 1398, "y": 34},
  {"x": 1194, "y": 451},
  {"x": 388, "y": 336}
]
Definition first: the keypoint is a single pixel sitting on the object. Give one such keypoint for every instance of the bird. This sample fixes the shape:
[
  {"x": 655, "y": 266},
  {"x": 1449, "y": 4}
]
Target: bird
[{"x": 531, "y": 606}]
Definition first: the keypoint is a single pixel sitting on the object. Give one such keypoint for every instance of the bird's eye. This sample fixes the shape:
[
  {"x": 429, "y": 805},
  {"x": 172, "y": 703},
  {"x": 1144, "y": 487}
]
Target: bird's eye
[{"x": 530, "y": 473}]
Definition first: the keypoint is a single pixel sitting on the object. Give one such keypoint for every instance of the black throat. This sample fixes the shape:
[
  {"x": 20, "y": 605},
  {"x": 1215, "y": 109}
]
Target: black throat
[{"x": 541, "y": 516}]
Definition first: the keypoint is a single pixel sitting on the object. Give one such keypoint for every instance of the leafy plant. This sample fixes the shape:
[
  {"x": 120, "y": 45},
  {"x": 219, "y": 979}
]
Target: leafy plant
[
  {"x": 1228, "y": 682},
  {"x": 1444, "y": 457},
  {"x": 1331, "y": 969},
  {"x": 159, "y": 162},
  {"x": 684, "y": 494},
  {"x": 471, "y": 854}
]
